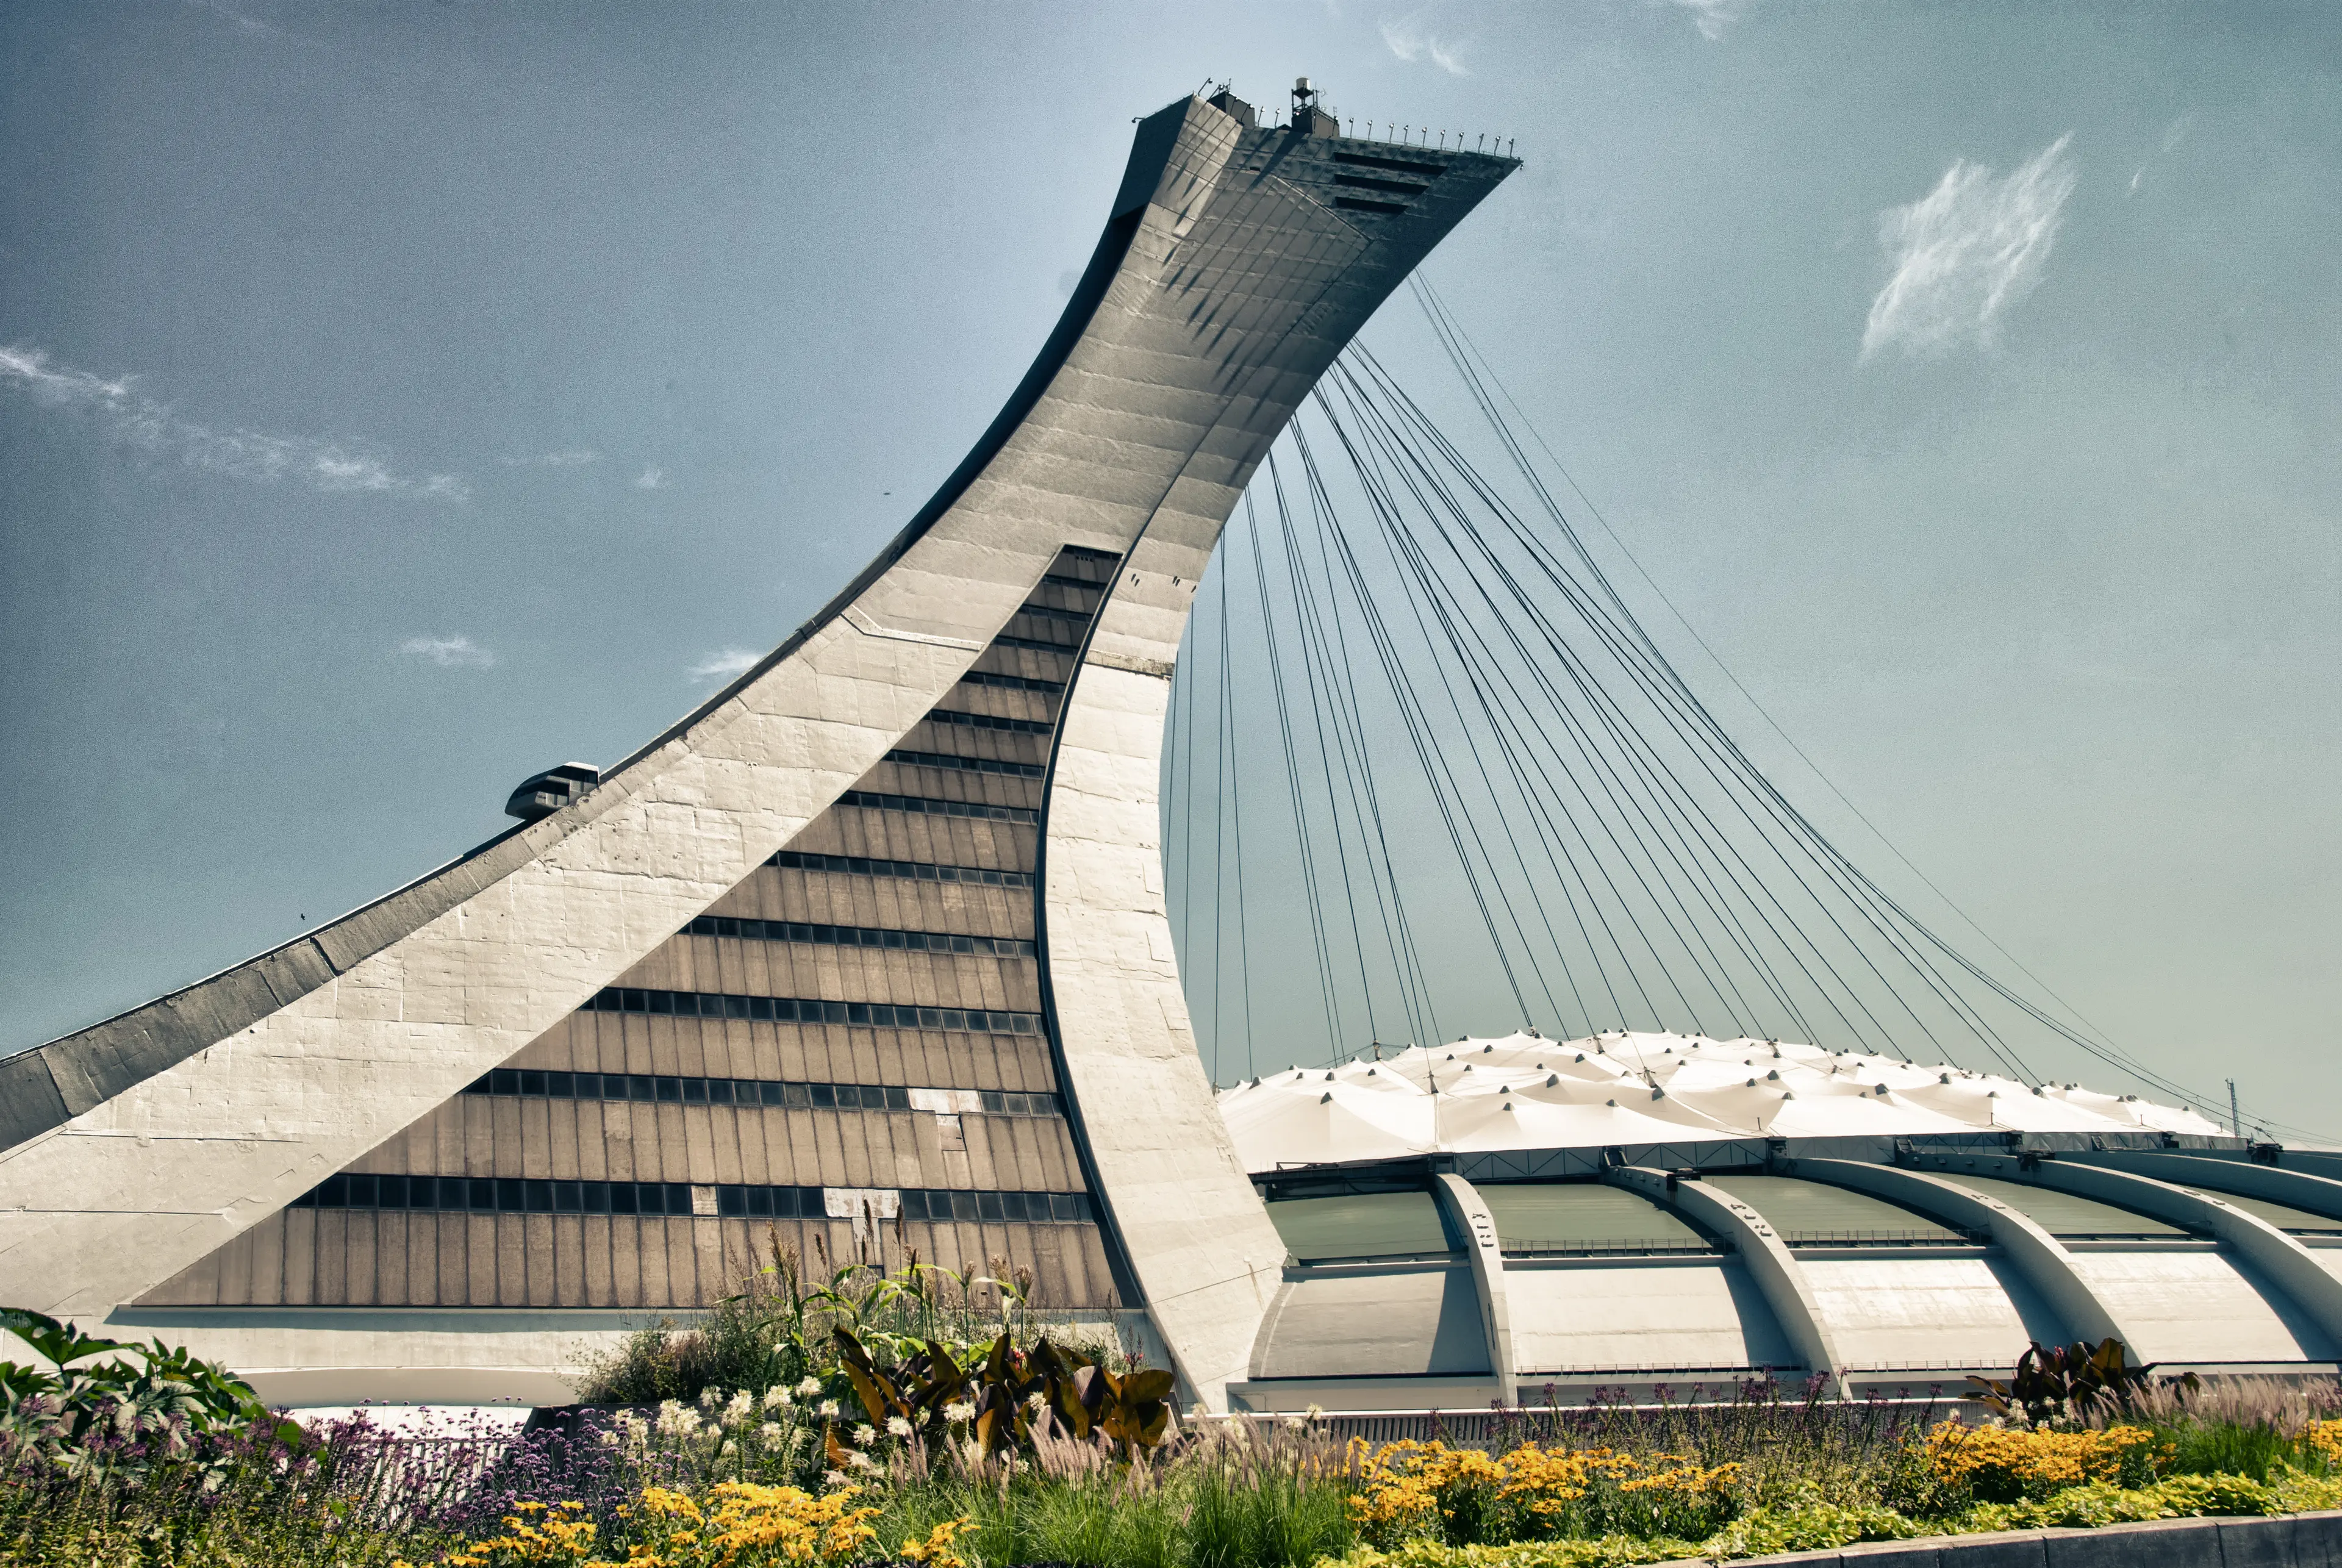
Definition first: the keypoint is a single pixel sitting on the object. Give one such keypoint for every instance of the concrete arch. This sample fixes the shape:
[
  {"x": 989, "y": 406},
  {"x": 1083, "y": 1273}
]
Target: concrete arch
[
  {"x": 2287, "y": 1264},
  {"x": 2318, "y": 1195},
  {"x": 1483, "y": 1247},
  {"x": 2046, "y": 1264},
  {"x": 1775, "y": 1269}
]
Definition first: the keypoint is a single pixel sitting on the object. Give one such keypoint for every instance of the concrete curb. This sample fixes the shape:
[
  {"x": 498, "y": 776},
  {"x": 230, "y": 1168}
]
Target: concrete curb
[{"x": 2290, "y": 1541}]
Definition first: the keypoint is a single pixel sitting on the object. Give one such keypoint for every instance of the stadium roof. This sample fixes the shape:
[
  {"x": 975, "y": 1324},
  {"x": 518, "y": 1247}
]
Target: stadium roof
[{"x": 1523, "y": 1092}]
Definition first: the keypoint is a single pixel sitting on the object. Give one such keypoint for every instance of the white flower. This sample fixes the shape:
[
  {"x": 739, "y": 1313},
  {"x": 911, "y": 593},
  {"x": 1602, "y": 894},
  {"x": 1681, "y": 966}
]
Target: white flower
[
  {"x": 898, "y": 1426},
  {"x": 833, "y": 1478},
  {"x": 1296, "y": 1422},
  {"x": 828, "y": 1411},
  {"x": 1313, "y": 1413},
  {"x": 863, "y": 1436},
  {"x": 808, "y": 1387},
  {"x": 707, "y": 1399},
  {"x": 675, "y": 1421},
  {"x": 772, "y": 1432},
  {"x": 1036, "y": 1400},
  {"x": 743, "y": 1405},
  {"x": 776, "y": 1398},
  {"x": 958, "y": 1411}
]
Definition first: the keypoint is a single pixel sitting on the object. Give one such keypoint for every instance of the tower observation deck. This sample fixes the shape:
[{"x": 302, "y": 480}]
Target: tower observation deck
[{"x": 875, "y": 937}]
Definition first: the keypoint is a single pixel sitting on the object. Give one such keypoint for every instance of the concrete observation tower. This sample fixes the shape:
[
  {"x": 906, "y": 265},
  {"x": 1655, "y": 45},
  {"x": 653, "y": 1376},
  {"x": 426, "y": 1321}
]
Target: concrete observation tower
[{"x": 875, "y": 936}]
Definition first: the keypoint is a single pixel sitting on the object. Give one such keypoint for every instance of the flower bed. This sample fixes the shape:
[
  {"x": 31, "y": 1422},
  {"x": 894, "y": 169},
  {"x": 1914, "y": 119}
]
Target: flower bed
[{"x": 882, "y": 1434}]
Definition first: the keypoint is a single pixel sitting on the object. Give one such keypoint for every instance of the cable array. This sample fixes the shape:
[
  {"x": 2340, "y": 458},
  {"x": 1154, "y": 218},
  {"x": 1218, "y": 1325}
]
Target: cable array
[{"x": 1444, "y": 651}]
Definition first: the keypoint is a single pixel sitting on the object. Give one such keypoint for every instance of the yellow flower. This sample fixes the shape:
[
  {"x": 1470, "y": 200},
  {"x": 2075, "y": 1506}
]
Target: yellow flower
[
  {"x": 2031, "y": 1461},
  {"x": 935, "y": 1549},
  {"x": 2324, "y": 1437}
]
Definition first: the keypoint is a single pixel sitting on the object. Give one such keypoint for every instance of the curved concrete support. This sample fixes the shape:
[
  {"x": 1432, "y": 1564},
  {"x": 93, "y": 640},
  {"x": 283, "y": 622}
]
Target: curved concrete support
[
  {"x": 2295, "y": 1189},
  {"x": 2046, "y": 1264},
  {"x": 1464, "y": 1205},
  {"x": 2283, "y": 1258},
  {"x": 1768, "y": 1259}
]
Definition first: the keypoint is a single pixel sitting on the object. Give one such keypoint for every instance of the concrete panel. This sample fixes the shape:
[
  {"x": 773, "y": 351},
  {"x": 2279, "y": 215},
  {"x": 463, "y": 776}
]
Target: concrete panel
[
  {"x": 1399, "y": 1323},
  {"x": 2199, "y": 1307},
  {"x": 2304, "y": 1541},
  {"x": 1905, "y": 1313},
  {"x": 1660, "y": 1315}
]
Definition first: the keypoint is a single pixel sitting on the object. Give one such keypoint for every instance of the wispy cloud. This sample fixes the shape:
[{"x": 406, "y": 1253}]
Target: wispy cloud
[
  {"x": 652, "y": 478},
  {"x": 723, "y": 666},
  {"x": 576, "y": 458},
  {"x": 449, "y": 652},
  {"x": 1411, "y": 41},
  {"x": 1711, "y": 16},
  {"x": 1966, "y": 252},
  {"x": 242, "y": 23},
  {"x": 139, "y": 421},
  {"x": 2172, "y": 135}
]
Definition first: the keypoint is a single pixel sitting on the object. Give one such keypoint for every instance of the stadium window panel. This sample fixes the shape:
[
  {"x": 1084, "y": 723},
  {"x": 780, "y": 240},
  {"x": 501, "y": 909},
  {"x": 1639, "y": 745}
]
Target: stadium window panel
[
  {"x": 670, "y": 1089},
  {"x": 988, "y": 1207},
  {"x": 695, "y": 1090},
  {"x": 596, "y": 1196},
  {"x": 622, "y": 1198},
  {"x": 568, "y": 1197},
  {"x": 561, "y": 1086},
  {"x": 678, "y": 1197}
]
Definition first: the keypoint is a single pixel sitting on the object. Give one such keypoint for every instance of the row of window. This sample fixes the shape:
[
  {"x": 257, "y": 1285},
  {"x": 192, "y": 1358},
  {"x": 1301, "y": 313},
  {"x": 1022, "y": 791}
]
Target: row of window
[
  {"x": 791, "y": 1010},
  {"x": 908, "y": 870},
  {"x": 1005, "y": 641},
  {"x": 988, "y": 721},
  {"x": 518, "y": 1195},
  {"x": 857, "y": 936},
  {"x": 1062, "y": 581},
  {"x": 968, "y": 764},
  {"x": 1050, "y": 612},
  {"x": 875, "y": 801},
  {"x": 534, "y": 1084},
  {"x": 1012, "y": 682}
]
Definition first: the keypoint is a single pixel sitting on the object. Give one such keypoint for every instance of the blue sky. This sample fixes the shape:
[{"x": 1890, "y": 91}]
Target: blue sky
[{"x": 398, "y": 399}]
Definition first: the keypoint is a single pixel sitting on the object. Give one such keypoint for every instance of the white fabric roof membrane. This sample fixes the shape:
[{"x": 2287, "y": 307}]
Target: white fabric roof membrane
[{"x": 1525, "y": 1092}]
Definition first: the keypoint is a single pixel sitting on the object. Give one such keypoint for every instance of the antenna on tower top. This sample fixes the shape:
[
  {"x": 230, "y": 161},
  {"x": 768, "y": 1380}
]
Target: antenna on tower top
[{"x": 1309, "y": 116}]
